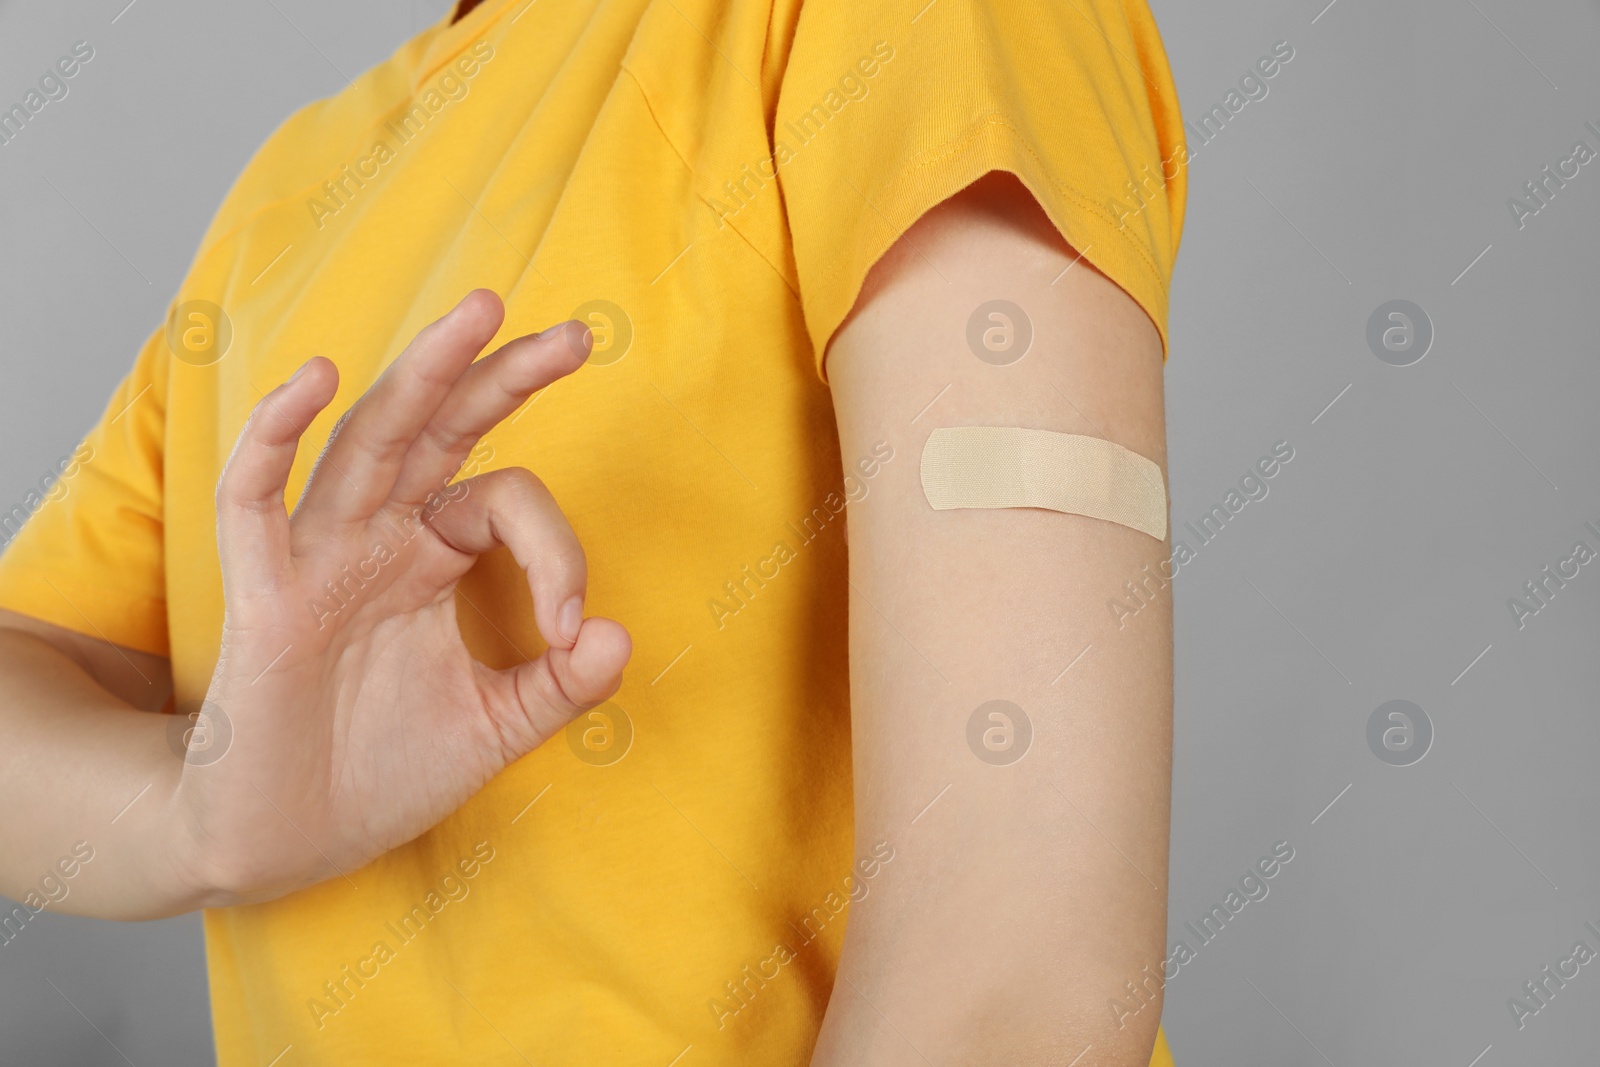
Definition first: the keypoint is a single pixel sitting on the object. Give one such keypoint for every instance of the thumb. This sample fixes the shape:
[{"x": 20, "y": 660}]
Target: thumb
[{"x": 532, "y": 701}]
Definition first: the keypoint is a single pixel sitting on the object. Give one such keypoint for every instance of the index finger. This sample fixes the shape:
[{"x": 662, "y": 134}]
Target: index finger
[
  {"x": 490, "y": 390},
  {"x": 357, "y": 469}
]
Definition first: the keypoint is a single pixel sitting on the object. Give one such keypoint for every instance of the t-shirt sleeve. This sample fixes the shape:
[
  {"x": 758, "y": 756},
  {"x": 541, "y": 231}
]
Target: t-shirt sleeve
[
  {"x": 85, "y": 544},
  {"x": 888, "y": 108}
]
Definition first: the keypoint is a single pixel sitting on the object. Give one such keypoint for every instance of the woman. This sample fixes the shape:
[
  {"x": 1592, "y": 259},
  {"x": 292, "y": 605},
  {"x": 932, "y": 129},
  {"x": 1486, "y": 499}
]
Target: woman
[{"x": 432, "y": 818}]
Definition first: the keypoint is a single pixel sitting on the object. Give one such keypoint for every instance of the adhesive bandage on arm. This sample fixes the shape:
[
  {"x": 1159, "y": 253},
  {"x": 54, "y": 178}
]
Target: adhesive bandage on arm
[{"x": 1010, "y": 467}]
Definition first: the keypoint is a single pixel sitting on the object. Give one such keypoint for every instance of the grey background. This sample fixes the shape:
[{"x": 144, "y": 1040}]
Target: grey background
[{"x": 1378, "y": 567}]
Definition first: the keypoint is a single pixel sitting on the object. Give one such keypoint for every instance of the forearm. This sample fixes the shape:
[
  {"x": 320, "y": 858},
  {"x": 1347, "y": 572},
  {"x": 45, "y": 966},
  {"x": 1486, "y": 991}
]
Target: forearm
[{"x": 87, "y": 788}]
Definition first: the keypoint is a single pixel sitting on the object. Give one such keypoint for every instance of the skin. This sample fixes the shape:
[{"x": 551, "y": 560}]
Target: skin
[
  {"x": 352, "y": 733},
  {"x": 1022, "y": 900},
  {"x": 1017, "y": 903}
]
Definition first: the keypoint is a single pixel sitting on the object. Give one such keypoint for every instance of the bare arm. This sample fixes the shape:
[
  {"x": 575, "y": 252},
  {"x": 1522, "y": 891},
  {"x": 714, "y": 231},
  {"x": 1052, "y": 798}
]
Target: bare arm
[
  {"x": 79, "y": 749},
  {"x": 1022, "y": 896}
]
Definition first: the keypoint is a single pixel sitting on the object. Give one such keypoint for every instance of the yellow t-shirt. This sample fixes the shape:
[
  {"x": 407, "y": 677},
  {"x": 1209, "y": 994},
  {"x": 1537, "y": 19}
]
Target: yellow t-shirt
[{"x": 708, "y": 182}]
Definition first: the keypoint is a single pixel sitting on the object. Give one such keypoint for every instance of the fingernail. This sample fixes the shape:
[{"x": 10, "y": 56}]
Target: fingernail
[
  {"x": 569, "y": 620},
  {"x": 296, "y": 375},
  {"x": 580, "y": 342}
]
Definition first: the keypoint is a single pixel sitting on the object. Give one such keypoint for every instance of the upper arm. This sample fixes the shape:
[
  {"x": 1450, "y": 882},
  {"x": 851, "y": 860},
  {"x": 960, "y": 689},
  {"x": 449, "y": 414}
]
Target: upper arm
[
  {"x": 1059, "y": 858},
  {"x": 85, "y": 569},
  {"x": 138, "y": 678}
]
